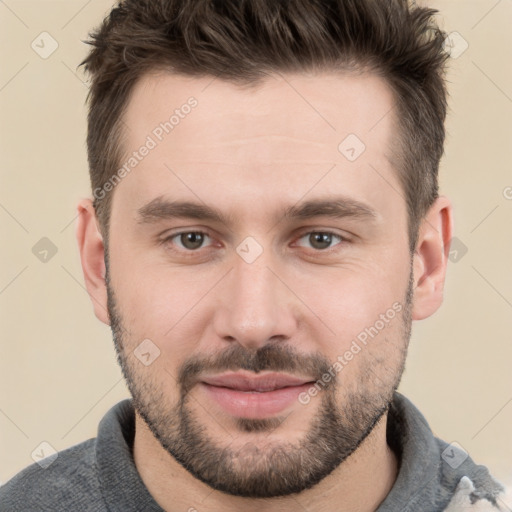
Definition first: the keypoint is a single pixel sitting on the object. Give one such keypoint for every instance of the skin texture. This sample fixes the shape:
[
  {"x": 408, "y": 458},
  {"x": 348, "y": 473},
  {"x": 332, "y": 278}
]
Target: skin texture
[{"x": 295, "y": 309}]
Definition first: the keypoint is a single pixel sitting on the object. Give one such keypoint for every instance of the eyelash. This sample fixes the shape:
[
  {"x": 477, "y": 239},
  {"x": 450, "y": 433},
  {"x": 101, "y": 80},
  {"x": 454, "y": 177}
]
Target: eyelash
[{"x": 167, "y": 240}]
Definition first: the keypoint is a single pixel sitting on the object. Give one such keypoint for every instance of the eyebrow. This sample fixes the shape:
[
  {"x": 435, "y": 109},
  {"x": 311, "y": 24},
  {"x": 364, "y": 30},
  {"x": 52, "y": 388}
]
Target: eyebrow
[{"x": 338, "y": 208}]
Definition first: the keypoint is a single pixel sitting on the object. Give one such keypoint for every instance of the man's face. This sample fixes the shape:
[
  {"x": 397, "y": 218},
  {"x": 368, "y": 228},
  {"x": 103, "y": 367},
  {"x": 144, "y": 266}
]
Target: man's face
[{"x": 276, "y": 286}]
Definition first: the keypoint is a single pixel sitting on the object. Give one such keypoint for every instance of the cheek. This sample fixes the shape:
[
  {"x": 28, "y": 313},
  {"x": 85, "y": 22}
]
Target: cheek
[
  {"x": 158, "y": 303},
  {"x": 369, "y": 345},
  {"x": 365, "y": 307}
]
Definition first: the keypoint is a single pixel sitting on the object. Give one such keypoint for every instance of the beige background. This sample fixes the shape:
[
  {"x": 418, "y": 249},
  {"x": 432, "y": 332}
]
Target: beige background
[{"x": 58, "y": 373}]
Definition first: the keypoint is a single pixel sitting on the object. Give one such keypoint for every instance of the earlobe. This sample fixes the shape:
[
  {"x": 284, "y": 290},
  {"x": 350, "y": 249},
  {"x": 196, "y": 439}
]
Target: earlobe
[
  {"x": 431, "y": 258},
  {"x": 92, "y": 256}
]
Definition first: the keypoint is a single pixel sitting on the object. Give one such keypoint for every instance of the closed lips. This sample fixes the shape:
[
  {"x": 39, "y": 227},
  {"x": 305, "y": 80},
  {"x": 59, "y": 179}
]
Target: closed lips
[{"x": 261, "y": 384}]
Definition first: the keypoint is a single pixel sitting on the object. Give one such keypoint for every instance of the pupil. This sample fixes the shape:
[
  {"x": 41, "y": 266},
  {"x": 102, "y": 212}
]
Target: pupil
[
  {"x": 320, "y": 240},
  {"x": 192, "y": 240}
]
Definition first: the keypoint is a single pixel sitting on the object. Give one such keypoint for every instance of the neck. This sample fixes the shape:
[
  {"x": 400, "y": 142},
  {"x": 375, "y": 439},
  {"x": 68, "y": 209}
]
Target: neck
[{"x": 359, "y": 484}]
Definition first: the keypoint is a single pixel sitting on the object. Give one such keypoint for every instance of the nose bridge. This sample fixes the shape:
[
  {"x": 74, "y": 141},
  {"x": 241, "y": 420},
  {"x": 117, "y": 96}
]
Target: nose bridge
[
  {"x": 255, "y": 306},
  {"x": 254, "y": 287}
]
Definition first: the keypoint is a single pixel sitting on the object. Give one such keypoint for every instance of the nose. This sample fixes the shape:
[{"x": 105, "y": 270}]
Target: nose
[{"x": 255, "y": 306}]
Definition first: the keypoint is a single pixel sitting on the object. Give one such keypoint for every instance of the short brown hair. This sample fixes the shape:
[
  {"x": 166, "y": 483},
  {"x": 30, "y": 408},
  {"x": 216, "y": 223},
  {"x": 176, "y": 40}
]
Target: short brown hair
[{"x": 245, "y": 40}]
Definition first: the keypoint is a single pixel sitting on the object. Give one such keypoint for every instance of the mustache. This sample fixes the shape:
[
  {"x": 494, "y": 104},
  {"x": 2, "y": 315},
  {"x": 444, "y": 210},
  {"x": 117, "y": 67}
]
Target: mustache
[{"x": 273, "y": 357}]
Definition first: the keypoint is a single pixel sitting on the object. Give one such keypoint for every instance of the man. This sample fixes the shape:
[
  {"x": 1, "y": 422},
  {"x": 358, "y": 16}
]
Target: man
[{"x": 266, "y": 225}]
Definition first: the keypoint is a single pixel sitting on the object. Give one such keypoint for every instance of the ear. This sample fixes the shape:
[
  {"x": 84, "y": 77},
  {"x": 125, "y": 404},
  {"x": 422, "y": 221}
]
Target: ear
[
  {"x": 92, "y": 256},
  {"x": 431, "y": 258}
]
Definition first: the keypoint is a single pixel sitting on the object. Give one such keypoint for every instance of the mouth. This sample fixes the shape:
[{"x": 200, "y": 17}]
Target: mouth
[
  {"x": 255, "y": 383},
  {"x": 254, "y": 396}
]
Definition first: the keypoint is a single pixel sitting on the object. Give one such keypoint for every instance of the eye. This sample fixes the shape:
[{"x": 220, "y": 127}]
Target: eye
[
  {"x": 188, "y": 240},
  {"x": 320, "y": 240}
]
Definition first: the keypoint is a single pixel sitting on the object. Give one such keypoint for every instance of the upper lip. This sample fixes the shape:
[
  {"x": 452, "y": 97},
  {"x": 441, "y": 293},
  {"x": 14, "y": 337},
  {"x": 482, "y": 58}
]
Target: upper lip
[{"x": 246, "y": 382}]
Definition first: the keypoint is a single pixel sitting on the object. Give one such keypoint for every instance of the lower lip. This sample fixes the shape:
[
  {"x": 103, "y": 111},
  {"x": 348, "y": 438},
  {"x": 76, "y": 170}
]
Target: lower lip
[{"x": 254, "y": 405}]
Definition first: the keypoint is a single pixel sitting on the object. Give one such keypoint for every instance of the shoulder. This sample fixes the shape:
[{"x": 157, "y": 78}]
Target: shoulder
[
  {"x": 433, "y": 474},
  {"x": 472, "y": 487},
  {"x": 68, "y": 482},
  {"x": 468, "y": 498}
]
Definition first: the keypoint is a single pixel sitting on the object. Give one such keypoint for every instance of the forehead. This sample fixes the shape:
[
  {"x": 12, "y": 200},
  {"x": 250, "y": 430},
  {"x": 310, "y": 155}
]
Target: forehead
[
  {"x": 282, "y": 134},
  {"x": 309, "y": 107}
]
